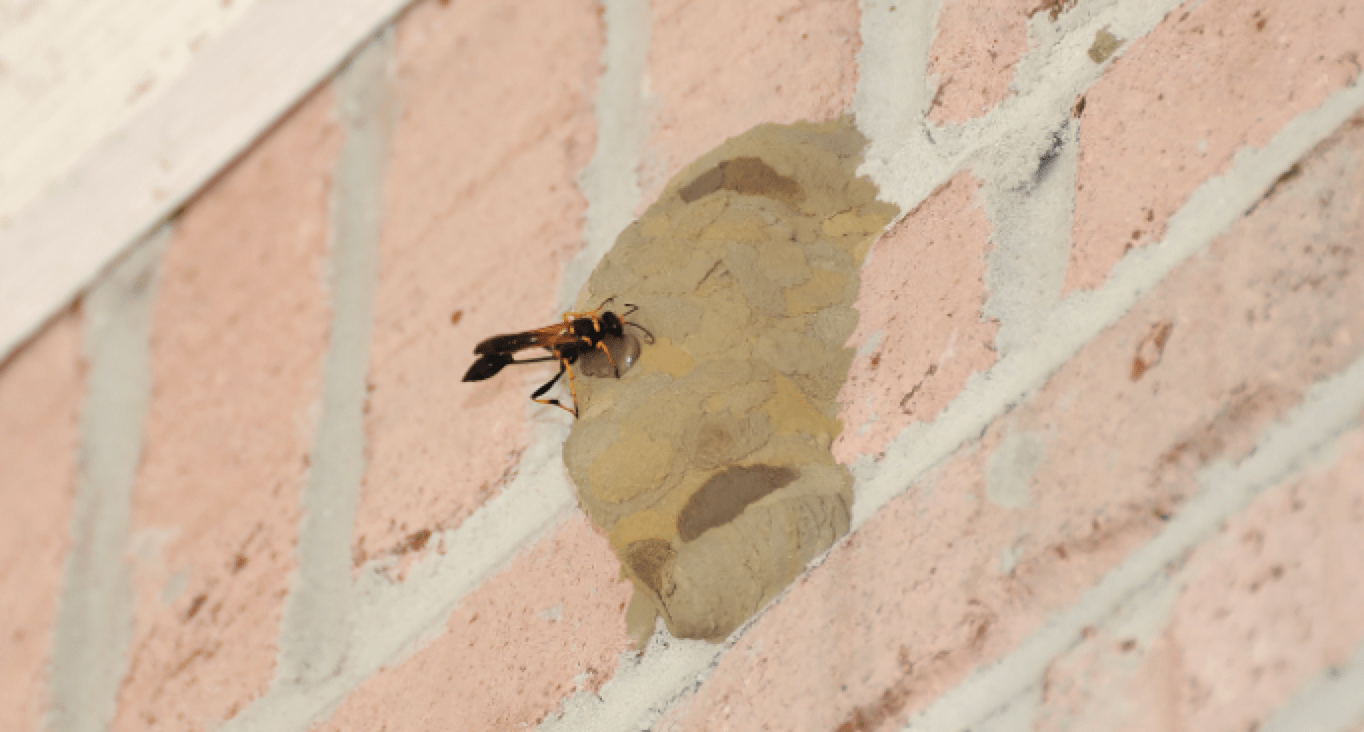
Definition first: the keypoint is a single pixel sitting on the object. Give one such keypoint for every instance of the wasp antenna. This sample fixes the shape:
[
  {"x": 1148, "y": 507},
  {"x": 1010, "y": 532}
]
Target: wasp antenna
[
  {"x": 604, "y": 304},
  {"x": 643, "y": 330},
  {"x": 633, "y": 307}
]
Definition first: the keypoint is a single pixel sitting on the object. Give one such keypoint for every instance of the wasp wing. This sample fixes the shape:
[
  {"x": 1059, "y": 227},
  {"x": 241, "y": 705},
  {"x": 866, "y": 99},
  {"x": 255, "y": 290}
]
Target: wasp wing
[
  {"x": 487, "y": 366},
  {"x": 513, "y": 342}
]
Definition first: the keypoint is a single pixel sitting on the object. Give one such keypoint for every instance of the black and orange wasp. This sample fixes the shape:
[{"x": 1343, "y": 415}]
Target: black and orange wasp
[{"x": 579, "y": 335}]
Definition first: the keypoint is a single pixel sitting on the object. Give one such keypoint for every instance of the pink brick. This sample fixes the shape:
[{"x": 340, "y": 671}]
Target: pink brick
[
  {"x": 718, "y": 68},
  {"x": 1268, "y": 604},
  {"x": 1273, "y": 602},
  {"x": 1212, "y": 78},
  {"x": 894, "y": 617},
  {"x": 551, "y": 623},
  {"x": 951, "y": 575},
  {"x": 1073, "y": 692},
  {"x": 977, "y": 46},
  {"x": 482, "y": 213},
  {"x": 240, "y": 328},
  {"x": 922, "y": 289},
  {"x": 40, "y": 392}
]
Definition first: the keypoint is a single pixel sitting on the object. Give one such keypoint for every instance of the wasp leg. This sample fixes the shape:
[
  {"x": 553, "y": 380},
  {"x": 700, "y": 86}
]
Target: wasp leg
[
  {"x": 572, "y": 388},
  {"x": 609, "y": 357},
  {"x": 563, "y": 366}
]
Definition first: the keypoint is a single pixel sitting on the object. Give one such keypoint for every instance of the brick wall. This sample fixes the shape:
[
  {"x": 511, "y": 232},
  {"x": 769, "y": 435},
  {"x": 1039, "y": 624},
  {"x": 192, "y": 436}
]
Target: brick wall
[{"x": 1104, "y": 416}]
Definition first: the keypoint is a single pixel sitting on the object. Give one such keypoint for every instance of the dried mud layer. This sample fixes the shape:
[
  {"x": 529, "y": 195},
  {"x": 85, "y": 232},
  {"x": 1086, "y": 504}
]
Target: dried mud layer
[{"x": 708, "y": 461}]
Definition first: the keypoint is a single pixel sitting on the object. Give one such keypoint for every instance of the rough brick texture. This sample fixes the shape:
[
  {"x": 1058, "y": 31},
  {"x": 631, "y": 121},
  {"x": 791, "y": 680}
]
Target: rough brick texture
[
  {"x": 496, "y": 112},
  {"x": 1212, "y": 79},
  {"x": 40, "y": 393},
  {"x": 238, "y": 335},
  {"x": 1002, "y": 489}
]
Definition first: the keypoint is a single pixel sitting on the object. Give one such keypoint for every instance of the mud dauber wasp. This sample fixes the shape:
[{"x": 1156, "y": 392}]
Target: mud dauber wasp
[{"x": 577, "y": 336}]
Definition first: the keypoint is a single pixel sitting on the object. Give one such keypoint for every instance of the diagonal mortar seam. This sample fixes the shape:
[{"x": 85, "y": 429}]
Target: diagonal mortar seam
[
  {"x": 1330, "y": 702},
  {"x": 897, "y": 36},
  {"x": 610, "y": 186},
  {"x": 611, "y": 189},
  {"x": 317, "y": 624},
  {"x": 920, "y": 447},
  {"x": 908, "y": 158},
  {"x": 884, "y": 110},
  {"x": 555, "y": 497},
  {"x": 908, "y": 105},
  {"x": 395, "y": 620},
  {"x": 539, "y": 498},
  {"x": 1284, "y": 450},
  {"x": 1030, "y": 238},
  {"x": 1027, "y": 262},
  {"x": 1209, "y": 211},
  {"x": 94, "y": 618},
  {"x": 610, "y": 182}
]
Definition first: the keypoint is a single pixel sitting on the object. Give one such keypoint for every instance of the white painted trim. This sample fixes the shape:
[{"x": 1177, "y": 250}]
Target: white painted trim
[{"x": 239, "y": 86}]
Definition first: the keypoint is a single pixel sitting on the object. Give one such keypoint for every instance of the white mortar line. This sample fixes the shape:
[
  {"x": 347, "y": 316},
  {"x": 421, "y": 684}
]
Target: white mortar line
[
  {"x": 399, "y": 618},
  {"x": 610, "y": 182},
  {"x": 316, "y": 627},
  {"x": 1016, "y": 716},
  {"x": 909, "y": 159},
  {"x": 540, "y": 497},
  {"x": 395, "y": 619},
  {"x": 239, "y": 85},
  {"x": 890, "y": 112},
  {"x": 1331, "y": 702},
  {"x": 1330, "y": 408},
  {"x": 646, "y": 685},
  {"x": 1030, "y": 230},
  {"x": 94, "y": 619},
  {"x": 893, "y": 88},
  {"x": 1210, "y": 210}
]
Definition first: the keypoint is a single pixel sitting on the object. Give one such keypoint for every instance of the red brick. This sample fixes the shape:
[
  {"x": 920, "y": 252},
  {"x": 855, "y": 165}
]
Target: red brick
[
  {"x": 1268, "y": 604},
  {"x": 718, "y": 68},
  {"x": 1209, "y": 80},
  {"x": 482, "y": 212},
  {"x": 552, "y": 622},
  {"x": 1272, "y": 602},
  {"x": 978, "y": 44},
  {"x": 240, "y": 329},
  {"x": 944, "y": 579},
  {"x": 922, "y": 288},
  {"x": 40, "y": 392}
]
